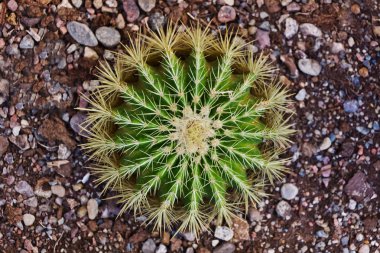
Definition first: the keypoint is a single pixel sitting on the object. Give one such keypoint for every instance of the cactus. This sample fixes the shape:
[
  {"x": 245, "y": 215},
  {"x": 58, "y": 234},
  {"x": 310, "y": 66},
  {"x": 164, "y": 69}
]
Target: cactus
[{"x": 186, "y": 127}]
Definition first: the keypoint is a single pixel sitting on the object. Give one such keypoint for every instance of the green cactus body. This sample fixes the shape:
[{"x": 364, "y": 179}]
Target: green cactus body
[{"x": 186, "y": 127}]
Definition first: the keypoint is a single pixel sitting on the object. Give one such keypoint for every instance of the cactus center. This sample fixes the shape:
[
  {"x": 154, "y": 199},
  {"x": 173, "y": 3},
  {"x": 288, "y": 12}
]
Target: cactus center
[{"x": 192, "y": 132}]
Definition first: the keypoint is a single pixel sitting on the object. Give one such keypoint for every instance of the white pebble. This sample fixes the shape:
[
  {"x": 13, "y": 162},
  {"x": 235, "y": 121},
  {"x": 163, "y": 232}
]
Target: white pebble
[
  {"x": 28, "y": 219},
  {"x": 223, "y": 233},
  {"x": 325, "y": 144}
]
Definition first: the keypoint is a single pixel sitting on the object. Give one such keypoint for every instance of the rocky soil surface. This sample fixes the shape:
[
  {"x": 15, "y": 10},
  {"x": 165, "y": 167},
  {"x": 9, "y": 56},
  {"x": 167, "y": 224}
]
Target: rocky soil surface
[{"x": 327, "y": 53}]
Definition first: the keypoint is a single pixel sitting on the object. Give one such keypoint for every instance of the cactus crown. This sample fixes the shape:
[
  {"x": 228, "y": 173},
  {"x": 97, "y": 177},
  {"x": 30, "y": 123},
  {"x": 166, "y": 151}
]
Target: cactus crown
[{"x": 186, "y": 127}]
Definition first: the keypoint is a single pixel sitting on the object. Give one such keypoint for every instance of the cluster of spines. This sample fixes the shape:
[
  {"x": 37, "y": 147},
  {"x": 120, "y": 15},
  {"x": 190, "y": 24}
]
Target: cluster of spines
[{"x": 131, "y": 114}]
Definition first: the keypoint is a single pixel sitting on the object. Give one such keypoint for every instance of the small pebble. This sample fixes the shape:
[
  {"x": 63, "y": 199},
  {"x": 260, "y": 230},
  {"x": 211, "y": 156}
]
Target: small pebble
[
  {"x": 283, "y": 209},
  {"x": 149, "y": 246},
  {"x": 147, "y": 5},
  {"x": 77, "y": 3},
  {"x": 326, "y": 143},
  {"x": 364, "y": 249},
  {"x": 24, "y": 188},
  {"x": 12, "y": 5},
  {"x": 58, "y": 190},
  {"x": 351, "y": 106},
  {"x": 82, "y": 34},
  {"x": 226, "y": 14},
  {"x": 301, "y": 95},
  {"x": 355, "y": 8},
  {"x": 27, "y": 42},
  {"x": 161, "y": 249},
  {"x": 92, "y": 209},
  {"x": 363, "y": 72},
  {"x": 108, "y": 36},
  {"x": 352, "y": 204},
  {"x": 223, "y": 233},
  {"x": 359, "y": 237},
  {"x": 28, "y": 219},
  {"x": 289, "y": 191},
  {"x": 309, "y": 66},
  {"x": 308, "y": 29},
  {"x": 291, "y": 28},
  {"x": 225, "y": 248}
]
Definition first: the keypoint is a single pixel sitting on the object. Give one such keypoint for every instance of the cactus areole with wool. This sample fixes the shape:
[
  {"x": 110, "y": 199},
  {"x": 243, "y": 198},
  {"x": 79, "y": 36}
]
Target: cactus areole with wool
[{"x": 187, "y": 127}]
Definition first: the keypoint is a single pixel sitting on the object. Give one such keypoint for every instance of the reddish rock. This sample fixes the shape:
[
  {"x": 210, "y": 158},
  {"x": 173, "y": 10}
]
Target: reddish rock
[
  {"x": 291, "y": 65},
  {"x": 241, "y": 229},
  {"x": 54, "y": 130},
  {"x": 4, "y": 143},
  {"x": 176, "y": 244},
  {"x": 131, "y": 9},
  {"x": 273, "y": 6},
  {"x": 138, "y": 237},
  {"x": 262, "y": 38},
  {"x": 226, "y": 14},
  {"x": 358, "y": 187}
]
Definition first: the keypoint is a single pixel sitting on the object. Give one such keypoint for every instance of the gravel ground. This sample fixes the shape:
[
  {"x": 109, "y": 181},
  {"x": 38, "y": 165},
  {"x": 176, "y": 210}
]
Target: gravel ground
[{"x": 328, "y": 54}]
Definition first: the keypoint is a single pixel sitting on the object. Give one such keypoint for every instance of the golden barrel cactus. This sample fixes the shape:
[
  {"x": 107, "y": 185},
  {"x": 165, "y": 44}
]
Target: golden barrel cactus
[{"x": 186, "y": 127}]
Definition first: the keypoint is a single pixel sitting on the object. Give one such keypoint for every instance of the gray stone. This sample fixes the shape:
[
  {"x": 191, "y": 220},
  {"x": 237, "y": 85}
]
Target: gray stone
[
  {"x": 225, "y": 248},
  {"x": 283, "y": 209},
  {"x": 352, "y": 204},
  {"x": 32, "y": 202},
  {"x": 344, "y": 240},
  {"x": 27, "y": 42},
  {"x": 308, "y": 29},
  {"x": 265, "y": 26},
  {"x": 301, "y": 95},
  {"x": 289, "y": 191},
  {"x": 291, "y": 28},
  {"x": 156, "y": 21},
  {"x": 309, "y": 66},
  {"x": 254, "y": 215},
  {"x": 336, "y": 47},
  {"x": 359, "y": 237},
  {"x": 82, "y": 34},
  {"x": 223, "y": 233},
  {"x": 108, "y": 36},
  {"x": 161, "y": 249},
  {"x": 149, "y": 246},
  {"x": 322, "y": 234},
  {"x": 147, "y": 5},
  {"x": 76, "y": 121},
  {"x": 189, "y": 236},
  {"x": 24, "y": 188}
]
